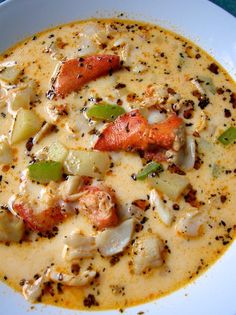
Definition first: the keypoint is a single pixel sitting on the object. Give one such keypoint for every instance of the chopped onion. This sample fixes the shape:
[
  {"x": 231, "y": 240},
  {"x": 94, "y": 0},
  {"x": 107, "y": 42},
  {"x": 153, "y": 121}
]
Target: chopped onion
[
  {"x": 135, "y": 212},
  {"x": 86, "y": 48},
  {"x": 70, "y": 187},
  {"x": 9, "y": 72},
  {"x": 114, "y": 240},
  {"x": 11, "y": 227},
  {"x": 6, "y": 156},
  {"x": 201, "y": 122},
  {"x": 186, "y": 157},
  {"x": 198, "y": 86},
  {"x": 163, "y": 211},
  {"x": 155, "y": 116},
  {"x": 46, "y": 128}
]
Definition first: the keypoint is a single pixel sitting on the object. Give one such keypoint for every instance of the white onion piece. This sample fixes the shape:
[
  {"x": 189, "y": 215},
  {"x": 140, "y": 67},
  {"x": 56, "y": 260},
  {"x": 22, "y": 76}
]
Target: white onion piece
[
  {"x": 10, "y": 204},
  {"x": 186, "y": 157},
  {"x": 155, "y": 116},
  {"x": 114, "y": 240},
  {"x": 33, "y": 291},
  {"x": 120, "y": 42},
  {"x": 147, "y": 253},
  {"x": 9, "y": 71},
  {"x": 42, "y": 133},
  {"x": 190, "y": 225},
  {"x": 71, "y": 280},
  {"x": 135, "y": 212},
  {"x": 87, "y": 47},
  {"x": 69, "y": 188},
  {"x": 6, "y": 156},
  {"x": 94, "y": 31},
  {"x": 78, "y": 246},
  {"x": 163, "y": 211},
  {"x": 198, "y": 86},
  {"x": 139, "y": 68},
  {"x": 201, "y": 122},
  {"x": 11, "y": 227}
]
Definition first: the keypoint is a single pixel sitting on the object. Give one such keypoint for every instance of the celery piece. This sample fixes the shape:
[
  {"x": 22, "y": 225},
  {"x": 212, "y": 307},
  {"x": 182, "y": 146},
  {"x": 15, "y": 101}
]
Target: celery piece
[
  {"x": 105, "y": 112},
  {"x": 150, "y": 168},
  {"x": 228, "y": 136},
  {"x": 45, "y": 171}
]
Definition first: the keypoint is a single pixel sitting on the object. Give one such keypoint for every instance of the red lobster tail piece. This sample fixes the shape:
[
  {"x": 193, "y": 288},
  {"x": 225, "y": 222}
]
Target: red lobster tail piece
[
  {"x": 75, "y": 73},
  {"x": 131, "y": 132}
]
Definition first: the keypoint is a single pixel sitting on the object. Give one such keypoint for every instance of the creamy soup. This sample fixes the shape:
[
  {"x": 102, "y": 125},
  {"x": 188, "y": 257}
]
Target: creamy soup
[{"x": 117, "y": 156}]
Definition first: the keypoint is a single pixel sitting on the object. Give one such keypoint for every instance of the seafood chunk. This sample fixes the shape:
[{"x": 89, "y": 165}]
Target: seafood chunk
[{"x": 74, "y": 73}]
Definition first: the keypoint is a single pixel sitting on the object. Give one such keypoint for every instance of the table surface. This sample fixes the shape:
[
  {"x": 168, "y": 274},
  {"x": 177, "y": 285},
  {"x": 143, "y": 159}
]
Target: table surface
[{"x": 228, "y": 5}]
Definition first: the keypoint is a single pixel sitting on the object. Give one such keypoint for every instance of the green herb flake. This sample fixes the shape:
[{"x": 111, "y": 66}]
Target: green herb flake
[
  {"x": 152, "y": 167},
  {"x": 228, "y": 136}
]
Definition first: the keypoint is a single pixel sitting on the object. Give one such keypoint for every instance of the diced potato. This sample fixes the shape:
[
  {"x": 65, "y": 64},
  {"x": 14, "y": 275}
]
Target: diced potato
[
  {"x": 169, "y": 184},
  {"x": 26, "y": 124},
  {"x": 9, "y": 72},
  {"x": 87, "y": 163},
  {"x": 57, "y": 152},
  {"x": 11, "y": 227},
  {"x": 5, "y": 152},
  {"x": 19, "y": 99}
]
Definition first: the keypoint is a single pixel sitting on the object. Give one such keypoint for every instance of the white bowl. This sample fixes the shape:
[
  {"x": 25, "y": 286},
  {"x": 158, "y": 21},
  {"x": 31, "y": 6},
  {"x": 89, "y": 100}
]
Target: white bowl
[{"x": 212, "y": 29}]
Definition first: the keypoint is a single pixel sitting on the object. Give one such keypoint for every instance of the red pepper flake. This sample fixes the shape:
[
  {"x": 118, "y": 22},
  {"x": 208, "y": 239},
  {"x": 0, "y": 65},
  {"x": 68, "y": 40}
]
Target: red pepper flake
[
  {"x": 120, "y": 86},
  {"x": 233, "y": 99},
  {"x": 213, "y": 68},
  {"x": 173, "y": 168},
  {"x": 197, "y": 164},
  {"x": 5, "y": 168},
  {"x": 203, "y": 102},
  {"x": 175, "y": 207},
  {"x": 191, "y": 198},
  {"x": 142, "y": 204},
  {"x": 90, "y": 301},
  {"x": 197, "y": 94},
  {"x": 227, "y": 113},
  {"x": 223, "y": 198},
  {"x": 220, "y": 91}
]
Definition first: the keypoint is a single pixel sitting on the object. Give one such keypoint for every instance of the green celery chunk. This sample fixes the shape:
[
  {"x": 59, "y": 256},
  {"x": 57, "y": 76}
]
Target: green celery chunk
[
  {"x": 151, "y": 167},
  {"x": 45, "y": 171},
  {"x": 105, "y": 112},
  {"x": 228, "y": 136}
]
